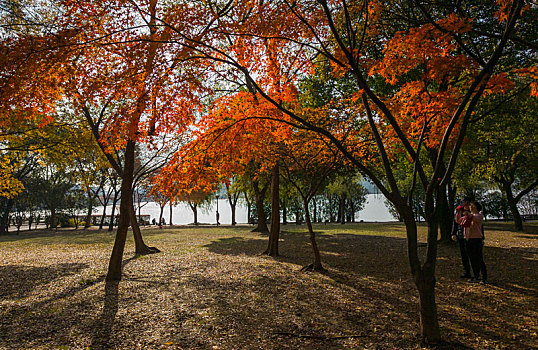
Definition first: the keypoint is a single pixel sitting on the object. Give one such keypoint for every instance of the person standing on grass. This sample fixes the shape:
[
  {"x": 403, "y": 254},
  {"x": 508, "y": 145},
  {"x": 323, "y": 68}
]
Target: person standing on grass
[
  {"x": 458, "y": 236},
  {"x": 474, "y": 236}
]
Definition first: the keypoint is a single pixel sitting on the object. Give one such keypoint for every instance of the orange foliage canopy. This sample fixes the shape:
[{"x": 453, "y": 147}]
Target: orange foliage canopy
[
  {"x": 31, "y": 73},
  {"x": 125, "y": 66}
]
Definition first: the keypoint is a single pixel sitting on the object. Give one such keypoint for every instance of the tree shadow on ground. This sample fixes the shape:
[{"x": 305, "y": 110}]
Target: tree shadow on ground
[
  {"x": 71, "y": 236},
  {"x": 19, "y": 281},
  {"x": 104, "y": 323},
  {"x": 49, "y": 317},
  {"x": 528, "y": 227},
  {"x": 225, "y": 294},
  {"x": 375, "y": 268}
]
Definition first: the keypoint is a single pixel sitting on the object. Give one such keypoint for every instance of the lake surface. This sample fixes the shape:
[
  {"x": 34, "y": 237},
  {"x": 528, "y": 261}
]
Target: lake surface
[{"x": 374, "y": 210}]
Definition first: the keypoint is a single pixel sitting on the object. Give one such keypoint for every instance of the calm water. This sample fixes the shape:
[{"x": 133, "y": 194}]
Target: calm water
[{"x": 374, "y": 210}]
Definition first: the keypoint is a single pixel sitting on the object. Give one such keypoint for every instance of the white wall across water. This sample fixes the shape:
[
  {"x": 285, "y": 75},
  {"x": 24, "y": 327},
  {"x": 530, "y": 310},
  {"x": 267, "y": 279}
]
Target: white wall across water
[{"x": 374, "y": 210}]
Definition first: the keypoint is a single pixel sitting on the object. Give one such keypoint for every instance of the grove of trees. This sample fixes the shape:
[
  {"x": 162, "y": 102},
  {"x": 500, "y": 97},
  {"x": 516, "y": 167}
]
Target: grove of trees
[{"x": 288, "y": 105}]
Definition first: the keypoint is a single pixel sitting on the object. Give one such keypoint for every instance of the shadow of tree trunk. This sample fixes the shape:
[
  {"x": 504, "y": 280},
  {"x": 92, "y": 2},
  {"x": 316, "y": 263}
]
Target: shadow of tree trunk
[{"x": 105, "y": 322}]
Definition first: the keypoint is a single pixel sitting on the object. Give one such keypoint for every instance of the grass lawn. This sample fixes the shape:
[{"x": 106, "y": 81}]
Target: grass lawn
[{"x": 210, "y": 289}]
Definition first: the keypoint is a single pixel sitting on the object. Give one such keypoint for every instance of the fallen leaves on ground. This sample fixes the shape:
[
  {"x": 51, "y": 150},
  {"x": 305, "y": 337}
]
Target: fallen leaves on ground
[{"x": 211, "y": 289}]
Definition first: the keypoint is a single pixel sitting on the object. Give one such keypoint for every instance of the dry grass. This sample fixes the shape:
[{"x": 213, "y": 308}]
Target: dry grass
[{"x": 210, "y": 289}]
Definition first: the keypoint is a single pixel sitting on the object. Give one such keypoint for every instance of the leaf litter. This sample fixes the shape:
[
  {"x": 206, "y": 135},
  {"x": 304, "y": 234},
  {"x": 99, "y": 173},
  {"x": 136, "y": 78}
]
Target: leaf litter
[{"x": 211, "y": 289}]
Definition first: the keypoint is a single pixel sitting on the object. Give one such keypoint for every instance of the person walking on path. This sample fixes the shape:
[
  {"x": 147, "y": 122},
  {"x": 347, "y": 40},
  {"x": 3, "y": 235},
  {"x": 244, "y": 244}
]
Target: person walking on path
[
  {"x": 474, "y": 237},
  {"x": 458, "y": 236}
]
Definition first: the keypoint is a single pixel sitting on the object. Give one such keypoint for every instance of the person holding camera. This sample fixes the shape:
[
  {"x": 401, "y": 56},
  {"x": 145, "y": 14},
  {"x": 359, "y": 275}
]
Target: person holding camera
[
  {"x": 474, "y": 238},
  {"x": 457, "y": 235}
]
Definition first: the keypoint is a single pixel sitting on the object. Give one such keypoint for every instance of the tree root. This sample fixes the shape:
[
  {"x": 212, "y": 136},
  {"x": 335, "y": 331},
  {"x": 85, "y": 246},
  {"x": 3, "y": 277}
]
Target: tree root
[
  {"x": 321, "y": 337},
  {"x": 260, "y": 230},
  {"x": 148, "y": 250},
  {"x": 311, "y": 268},
  {"x": 266, "y": 252}
]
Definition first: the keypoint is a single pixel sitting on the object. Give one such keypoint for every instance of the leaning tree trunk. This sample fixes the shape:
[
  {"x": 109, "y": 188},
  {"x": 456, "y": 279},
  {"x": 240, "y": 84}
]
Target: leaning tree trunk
[
  {"x": 102, "y": 222},
  {"x": 126, "y": 205},
  {"x": 260, "y": 212},
  {"x": 140, "y": 247},
  {"x": 194, "y": 208},
  {"x": 512, "y": 203},
  {"x": 316, "y": 266},
  {"x": 272, "y": 247}
]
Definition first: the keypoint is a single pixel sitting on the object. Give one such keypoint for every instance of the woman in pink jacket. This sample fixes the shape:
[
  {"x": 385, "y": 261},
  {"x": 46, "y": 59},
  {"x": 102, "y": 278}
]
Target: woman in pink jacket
[{"x": 474, "y": 237}]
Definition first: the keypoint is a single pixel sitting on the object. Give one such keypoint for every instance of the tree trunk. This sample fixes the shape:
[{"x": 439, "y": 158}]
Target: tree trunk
[
  {"x": 446, "y": 216},
  {"x": 102, "y": 222},
  {"x": 232, "y": 200},
  {"x": 126, "y": 206},
  {"x": 429, "y": 325},
  {"x": 140, "y": 247},
  {"x": 112, "y": 217},
  {"x": 4, "y": 220},
  {"x": 424, "y": 276},
  {"x": 512, "y": 203},
  {"x": 75, "y": 221},
  {"x": 88, "y": 222},
  {"x": 352, "y": 206},
  {"x": 194, "y": 208},
  {"x": 272, "y": 247},
  {"x": 316, "y": 266},
  {"x": 248, "y": 207},
  {"x": 53, "y": 219},
  {"x": 233, "y": 207},
  {"x": 161, "y": 213},
  {"x": 171, "y": 207},
  {"x": 260, "y": 212},
  {"x": 342, "y": 210}
]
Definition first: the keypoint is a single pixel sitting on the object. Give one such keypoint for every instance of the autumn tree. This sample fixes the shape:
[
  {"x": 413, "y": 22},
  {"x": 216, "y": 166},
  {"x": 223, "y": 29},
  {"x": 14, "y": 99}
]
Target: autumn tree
[
  {"x": 24, "y": 145},
  {"x": 307, "y": 162},
  {"x": 141, "y": 90},
  {"x": 420, "y": 71},
  {"x": 233, "y": 193},
  {"x": 503, "y": 148}
]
